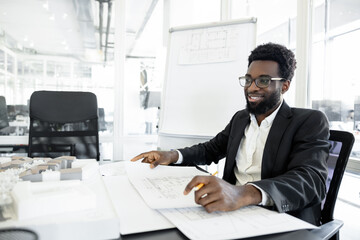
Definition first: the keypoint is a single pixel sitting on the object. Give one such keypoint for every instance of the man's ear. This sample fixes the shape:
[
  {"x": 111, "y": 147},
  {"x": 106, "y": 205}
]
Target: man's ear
[{"x": 285, "y": 86}]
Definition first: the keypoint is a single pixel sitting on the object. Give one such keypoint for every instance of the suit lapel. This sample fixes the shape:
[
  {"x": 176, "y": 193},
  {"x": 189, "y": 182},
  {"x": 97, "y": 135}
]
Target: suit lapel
[{"x": 278, "y": 128}]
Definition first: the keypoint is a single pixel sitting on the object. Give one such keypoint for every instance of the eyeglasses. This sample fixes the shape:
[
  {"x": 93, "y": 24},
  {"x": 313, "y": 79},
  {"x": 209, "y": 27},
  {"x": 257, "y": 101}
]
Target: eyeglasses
[{"x": 260, "y": 82}]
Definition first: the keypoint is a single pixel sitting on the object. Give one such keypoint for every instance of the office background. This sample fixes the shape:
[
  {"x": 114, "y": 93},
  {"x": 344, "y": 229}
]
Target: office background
[{"x": 68, "y": 45}]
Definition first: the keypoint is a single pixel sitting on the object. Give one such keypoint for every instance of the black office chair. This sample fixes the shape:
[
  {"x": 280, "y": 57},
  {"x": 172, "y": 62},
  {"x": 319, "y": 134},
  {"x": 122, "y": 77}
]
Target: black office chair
[
  {"x": 63, "y": 123},
  {"x": 341, "y": 146}
]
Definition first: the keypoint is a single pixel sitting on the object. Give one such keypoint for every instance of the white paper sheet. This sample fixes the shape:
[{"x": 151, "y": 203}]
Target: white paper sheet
[
  {"x": 129, "y": 206},
  {"x": 163, "y": 186},
  {"x": 250, "y": 221}
]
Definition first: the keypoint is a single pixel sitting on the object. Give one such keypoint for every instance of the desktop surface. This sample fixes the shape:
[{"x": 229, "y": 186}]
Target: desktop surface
[
  {"x": 68, "y": 229},
  {"x": 115, "y": 178},
  {"x": 175, "y": 234}
]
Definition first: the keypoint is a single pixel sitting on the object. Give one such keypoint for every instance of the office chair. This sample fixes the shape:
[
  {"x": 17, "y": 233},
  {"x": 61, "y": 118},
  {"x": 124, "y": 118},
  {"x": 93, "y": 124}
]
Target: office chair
[
  {"x": 341, "y": 146},
  {"x": 63, "y": 123}
]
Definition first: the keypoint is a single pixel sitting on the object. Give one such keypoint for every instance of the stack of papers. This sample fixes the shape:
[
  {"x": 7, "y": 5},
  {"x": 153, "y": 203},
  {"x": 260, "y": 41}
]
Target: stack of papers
[{"x": 162, "y": 189}]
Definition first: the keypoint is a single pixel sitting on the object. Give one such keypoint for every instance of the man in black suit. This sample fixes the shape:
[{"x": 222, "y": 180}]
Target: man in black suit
[{"x": 275, "y": 155}]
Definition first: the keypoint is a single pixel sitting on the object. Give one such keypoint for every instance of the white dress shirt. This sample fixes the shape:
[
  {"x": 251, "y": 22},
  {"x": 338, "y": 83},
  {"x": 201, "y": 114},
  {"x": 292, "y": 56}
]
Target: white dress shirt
[{"x": 250, "y": 153}]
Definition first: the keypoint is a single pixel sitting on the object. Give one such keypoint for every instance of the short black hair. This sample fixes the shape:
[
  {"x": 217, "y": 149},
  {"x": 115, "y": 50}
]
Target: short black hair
[{"x": 278, "y": 53}]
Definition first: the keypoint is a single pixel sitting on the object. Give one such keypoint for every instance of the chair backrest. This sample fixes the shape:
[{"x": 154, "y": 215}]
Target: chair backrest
[
  {"x": 63, "y": 123},
  {"x": 341, "y": 145}
]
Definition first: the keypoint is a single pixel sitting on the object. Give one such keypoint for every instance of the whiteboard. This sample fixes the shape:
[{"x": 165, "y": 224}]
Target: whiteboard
[{"x": 201, "y": 88}]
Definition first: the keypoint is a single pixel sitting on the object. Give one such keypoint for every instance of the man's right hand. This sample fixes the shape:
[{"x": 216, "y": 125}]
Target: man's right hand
[{"x": 157, "y": 157}]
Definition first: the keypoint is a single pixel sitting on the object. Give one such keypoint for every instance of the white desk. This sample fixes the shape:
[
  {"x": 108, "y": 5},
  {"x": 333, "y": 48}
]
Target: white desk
[
  {"x": 113, "y": 216},
  {"x": 14, "y": 140}
]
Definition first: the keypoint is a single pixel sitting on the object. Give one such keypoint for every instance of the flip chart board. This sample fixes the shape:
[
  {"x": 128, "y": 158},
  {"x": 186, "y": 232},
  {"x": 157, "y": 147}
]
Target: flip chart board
[{"x": 201, "y": 88}]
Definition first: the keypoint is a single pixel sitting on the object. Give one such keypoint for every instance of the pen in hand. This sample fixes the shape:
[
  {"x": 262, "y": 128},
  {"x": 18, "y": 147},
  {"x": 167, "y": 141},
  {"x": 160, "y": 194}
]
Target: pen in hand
[{"x": 200, "y": 185}]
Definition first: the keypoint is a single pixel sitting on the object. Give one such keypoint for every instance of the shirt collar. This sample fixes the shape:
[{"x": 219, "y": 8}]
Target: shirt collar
[{"x": 269, "y": 119}]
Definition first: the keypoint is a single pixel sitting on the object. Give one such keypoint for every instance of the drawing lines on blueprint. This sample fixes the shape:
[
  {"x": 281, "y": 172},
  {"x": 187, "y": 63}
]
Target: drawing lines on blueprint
[
  {"x": 165, "y": 186},
  {"x": 241, "y": 223},
  {"x": 197, "y": 216},
  {"x": 254, "y": 217},
  {"x": 197, "y": 213}
]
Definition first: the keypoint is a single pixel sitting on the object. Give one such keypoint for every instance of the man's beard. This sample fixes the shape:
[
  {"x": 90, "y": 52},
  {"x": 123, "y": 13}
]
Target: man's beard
[{"x": 264, "y": 106}]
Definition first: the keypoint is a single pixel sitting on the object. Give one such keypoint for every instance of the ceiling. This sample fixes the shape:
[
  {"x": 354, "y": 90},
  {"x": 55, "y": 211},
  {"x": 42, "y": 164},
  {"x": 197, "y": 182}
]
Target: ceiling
[{"x": 69, "y": 27}]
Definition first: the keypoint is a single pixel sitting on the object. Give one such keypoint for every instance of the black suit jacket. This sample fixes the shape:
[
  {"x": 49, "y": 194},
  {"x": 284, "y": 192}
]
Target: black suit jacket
[{"x": 294, "y": 166}]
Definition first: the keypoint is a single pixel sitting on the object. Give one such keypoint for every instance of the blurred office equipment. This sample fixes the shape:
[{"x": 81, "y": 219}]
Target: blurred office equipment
[
  {"x": 64, "y": 123},
  {"x": 331, "y": 108},
  {"x": 11, "y": 112},
  {"x": 340, "y": 114},
  {"x": 150, "y": 100},
  {"x": 4, "y": 121},
  {"x": 13, "y": 119},
  {"x": 8, "y": 127},
  {"x": 102, "y": 122},
  {"x": 154, "y": 99},
  {"x": 341, "y": 145},
  {"x": 357, "y": 113},
  {"x": 144, "y": 89},
  {"x": 17, "y": 111}
]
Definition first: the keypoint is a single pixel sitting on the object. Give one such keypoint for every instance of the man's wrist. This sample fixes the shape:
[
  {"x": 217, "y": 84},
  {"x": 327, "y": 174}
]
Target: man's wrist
[
  {"x": 174, "y": 156},
  {"x": 252, "y": 195}
]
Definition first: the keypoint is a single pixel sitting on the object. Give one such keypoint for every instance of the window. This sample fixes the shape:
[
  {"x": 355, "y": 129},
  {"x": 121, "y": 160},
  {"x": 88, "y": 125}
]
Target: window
[
  {"x": 334, "y": 87},
  {"x": 271, "y": 26},
  {"x": 2, "y": 60},
  {"x": 187, "y": 12},
  {"x": 278, "y": 27}
]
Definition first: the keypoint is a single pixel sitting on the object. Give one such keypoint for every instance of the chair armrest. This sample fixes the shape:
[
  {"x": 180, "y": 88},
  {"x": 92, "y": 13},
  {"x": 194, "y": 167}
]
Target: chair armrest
[{"x": 327, "y": 230}]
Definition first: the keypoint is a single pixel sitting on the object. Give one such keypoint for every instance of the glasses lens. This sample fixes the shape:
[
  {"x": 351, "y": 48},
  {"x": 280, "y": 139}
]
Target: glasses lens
[
  {"x": 262, "y": 82},
  {"x": 245, "y": 81}
]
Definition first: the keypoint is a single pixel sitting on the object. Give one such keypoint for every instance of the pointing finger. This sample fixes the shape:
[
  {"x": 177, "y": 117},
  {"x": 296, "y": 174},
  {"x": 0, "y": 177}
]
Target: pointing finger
[{"x": 140, "y": 156}]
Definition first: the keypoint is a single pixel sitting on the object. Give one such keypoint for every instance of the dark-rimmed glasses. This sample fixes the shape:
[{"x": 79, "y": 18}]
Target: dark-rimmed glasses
[{"x": 260, "y": 82}]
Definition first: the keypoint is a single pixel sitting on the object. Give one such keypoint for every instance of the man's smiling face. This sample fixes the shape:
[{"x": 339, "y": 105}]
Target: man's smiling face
[{"x": 263, "y": 100}]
